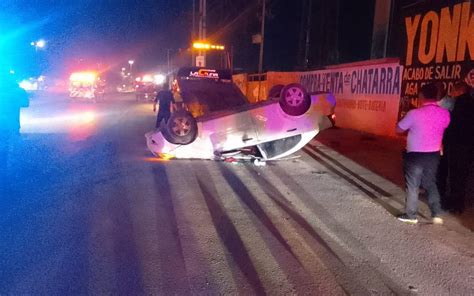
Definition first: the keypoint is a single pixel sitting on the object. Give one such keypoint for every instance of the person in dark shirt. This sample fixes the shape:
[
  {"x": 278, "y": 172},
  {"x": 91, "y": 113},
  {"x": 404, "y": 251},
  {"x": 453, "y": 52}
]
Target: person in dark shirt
[
  {"x": 460, "y": 147},
  {"x": 12, "y": 99},
  {"x": 165, "y": 99}
]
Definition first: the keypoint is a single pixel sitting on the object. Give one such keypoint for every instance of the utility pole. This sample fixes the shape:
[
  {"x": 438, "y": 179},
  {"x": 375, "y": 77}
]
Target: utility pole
[
  {"x": 204, "y": 19},
  {"x": 381, "y": 28},
  {"x": 193, "y": 33},
  {"x": 308, "y": 34},
  {"x": 262, "y": 41},
  {"x": 260, "y": 59},
  {"x": 202, "y": 25},
  {"x": 169, "y": 64}
]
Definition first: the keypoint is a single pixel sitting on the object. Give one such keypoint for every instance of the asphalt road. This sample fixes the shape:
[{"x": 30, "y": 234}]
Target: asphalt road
[{"x": 87, "y": 210}]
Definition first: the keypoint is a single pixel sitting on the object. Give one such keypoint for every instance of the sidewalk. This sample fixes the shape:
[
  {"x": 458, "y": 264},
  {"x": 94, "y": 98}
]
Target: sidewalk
[{"x": 382, "y": 156}]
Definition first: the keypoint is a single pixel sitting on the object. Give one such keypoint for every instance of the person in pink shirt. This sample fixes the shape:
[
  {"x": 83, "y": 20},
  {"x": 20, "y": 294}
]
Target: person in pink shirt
[{"x": 425, "y": 126}]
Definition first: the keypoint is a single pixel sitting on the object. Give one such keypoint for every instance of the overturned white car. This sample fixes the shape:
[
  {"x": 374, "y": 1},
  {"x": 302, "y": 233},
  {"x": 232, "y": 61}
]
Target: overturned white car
[{"x": 218, "y": 121}]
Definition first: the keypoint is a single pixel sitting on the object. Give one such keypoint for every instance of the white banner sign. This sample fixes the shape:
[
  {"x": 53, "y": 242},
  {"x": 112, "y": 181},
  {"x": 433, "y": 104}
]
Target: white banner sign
[{"x": 367, "y": 96}]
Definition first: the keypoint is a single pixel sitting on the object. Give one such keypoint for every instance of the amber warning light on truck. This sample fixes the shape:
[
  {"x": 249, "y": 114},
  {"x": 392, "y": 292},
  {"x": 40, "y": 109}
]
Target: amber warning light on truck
[{"x": 207, "y": 46}]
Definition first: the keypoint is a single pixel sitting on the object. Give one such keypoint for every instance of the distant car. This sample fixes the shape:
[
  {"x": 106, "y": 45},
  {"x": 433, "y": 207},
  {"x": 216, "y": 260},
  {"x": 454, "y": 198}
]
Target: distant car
[
  {"x": 125, "y": 88},
  {"x": 219, "y": 122}
]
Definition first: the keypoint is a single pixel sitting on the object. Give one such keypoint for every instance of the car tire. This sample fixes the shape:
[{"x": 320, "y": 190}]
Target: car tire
[
  {"x": 275, "y": 92},
  {"x": 181, "y": 128},
  {"x": 294, "y": 99}
]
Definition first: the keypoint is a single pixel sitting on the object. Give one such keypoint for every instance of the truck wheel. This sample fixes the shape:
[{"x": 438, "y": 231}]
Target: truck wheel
[
  {"x": 294, "y": 100},
  {"x": 181, "y": 128}
]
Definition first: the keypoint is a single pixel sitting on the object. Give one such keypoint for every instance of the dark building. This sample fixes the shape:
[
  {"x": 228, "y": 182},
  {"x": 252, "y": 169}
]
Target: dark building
[
  {"x": 308, "y": 34},
  {"x": 343, "y": 31}
]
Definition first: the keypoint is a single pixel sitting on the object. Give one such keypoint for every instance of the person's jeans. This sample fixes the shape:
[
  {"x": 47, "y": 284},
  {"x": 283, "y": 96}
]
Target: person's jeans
[
  {"x": 420, "y": 170},
  {"x": 162, "y": 116}
]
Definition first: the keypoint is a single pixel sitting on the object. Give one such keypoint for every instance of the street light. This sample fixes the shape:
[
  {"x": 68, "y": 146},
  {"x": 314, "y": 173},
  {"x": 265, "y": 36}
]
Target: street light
[
  {"x": 38, "y": 44},
  {"x": 131, "y": 62}
]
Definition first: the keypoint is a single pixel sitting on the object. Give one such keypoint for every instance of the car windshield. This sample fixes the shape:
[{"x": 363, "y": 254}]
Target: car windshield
[{"x": 213, "y": 95}]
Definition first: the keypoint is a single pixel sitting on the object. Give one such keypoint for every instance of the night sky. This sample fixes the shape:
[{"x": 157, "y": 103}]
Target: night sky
[{"x": 109, "y": 32}]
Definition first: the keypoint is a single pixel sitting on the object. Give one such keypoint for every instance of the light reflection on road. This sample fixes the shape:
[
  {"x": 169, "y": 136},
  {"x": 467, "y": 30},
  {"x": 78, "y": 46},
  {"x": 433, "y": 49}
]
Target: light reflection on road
[
  {"x": 78, "y": 125},
  {"x": 78, "y": 118},
  {"x": 54, "y": 116}
]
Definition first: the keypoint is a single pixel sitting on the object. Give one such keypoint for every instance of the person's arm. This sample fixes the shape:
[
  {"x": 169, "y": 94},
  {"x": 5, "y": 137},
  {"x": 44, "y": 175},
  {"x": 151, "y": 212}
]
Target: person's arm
[
  {"x": 156, "y": 101},
  {"x": 405, "y": 124},
  {"x": 398, "y": 130}
]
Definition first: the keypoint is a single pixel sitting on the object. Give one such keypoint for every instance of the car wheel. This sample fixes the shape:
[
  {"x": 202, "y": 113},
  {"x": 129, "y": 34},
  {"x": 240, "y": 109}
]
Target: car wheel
[
  {"x": 181, "y": 128},
  {"x": 275, "y": 91},
  {"x": 294, "y": 100}
]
